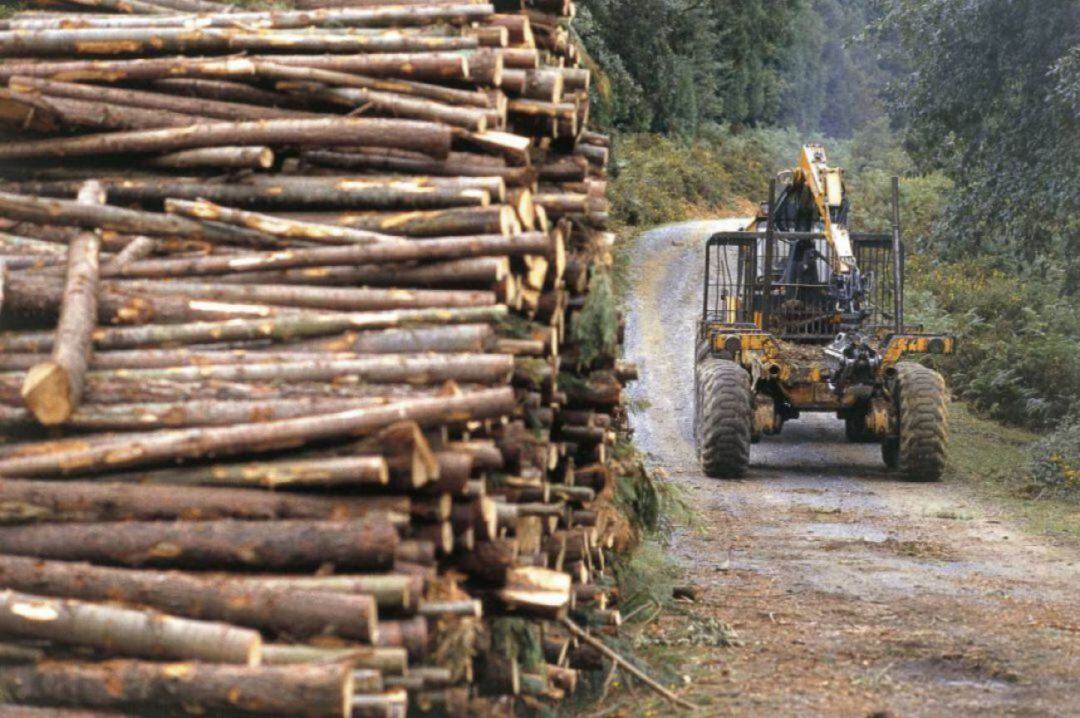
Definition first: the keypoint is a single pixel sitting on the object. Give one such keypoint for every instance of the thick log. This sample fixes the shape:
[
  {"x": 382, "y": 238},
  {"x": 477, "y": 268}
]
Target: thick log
[
  {"x": 128, "y": 631},
  {"x": 291, "y": 611},
  {"x": 425, "y": 137},
  {"x": 53, "y": 389},
  {"x": 320, "y": 233},
  {"x": 23, "y": 501},
  {"x": 366, "y": 544},
  {"x": 295, "y": 690},
  {"x": 192, "y": 443},
  {"x": 280, "y": 328}
]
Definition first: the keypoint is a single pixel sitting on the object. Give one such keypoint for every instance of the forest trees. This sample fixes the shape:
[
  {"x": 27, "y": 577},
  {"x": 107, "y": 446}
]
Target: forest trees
[{"x": 992, "y": 98}]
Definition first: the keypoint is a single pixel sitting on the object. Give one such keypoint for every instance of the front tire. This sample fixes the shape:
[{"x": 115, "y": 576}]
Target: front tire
[
  {"x": 724, "y": 418},
  {"x": 920, "y": 451}
]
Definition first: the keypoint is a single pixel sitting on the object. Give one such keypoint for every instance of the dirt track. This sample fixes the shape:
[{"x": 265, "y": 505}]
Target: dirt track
[{"x": 852, "y": 593}]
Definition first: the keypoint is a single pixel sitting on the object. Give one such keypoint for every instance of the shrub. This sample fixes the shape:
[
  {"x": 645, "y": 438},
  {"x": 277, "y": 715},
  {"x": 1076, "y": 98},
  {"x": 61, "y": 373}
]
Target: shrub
[{"x": 1055, "y": 463}]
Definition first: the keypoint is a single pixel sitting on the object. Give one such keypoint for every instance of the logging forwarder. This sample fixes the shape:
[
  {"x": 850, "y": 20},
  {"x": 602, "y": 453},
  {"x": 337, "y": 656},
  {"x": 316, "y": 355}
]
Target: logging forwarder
[{"x": 801, "y": 315}]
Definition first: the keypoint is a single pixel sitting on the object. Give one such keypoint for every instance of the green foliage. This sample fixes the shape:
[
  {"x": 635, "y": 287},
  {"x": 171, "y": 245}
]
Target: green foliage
[
  {"x": 1017, "y": 355},
  {"x": 1055, "y": 463},
  {"x": 992, "y": 98},
  {"x": 596, "y": 328}
]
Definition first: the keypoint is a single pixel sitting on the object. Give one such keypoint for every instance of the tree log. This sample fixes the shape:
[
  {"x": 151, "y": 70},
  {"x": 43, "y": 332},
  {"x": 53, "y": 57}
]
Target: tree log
[
  {"x": 53, "y": 389},
  {"x": 295, "y": 690},
  {"x": 293, "y": 611},
  {"x": 132, "y": 632},
  {"x": 484, "y": 245},
  {"x": 192, "y": 443},
  {"x": 84, "y": 501},
  {"x": 278, "y": 328},
  {"x": 276, "y": 226},
  {"x": 425, "y": 137},
  {"x": 366, "y": 544}
]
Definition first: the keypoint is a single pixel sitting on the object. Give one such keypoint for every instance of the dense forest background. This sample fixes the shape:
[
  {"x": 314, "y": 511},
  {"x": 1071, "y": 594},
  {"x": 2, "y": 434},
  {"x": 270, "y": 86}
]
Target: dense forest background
[{"x": 975, "y": 104}]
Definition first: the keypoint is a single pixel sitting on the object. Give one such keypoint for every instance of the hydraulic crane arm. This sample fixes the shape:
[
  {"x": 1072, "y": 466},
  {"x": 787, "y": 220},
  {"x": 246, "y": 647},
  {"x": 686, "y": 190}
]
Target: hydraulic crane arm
[{"x": 826, "y": 186}]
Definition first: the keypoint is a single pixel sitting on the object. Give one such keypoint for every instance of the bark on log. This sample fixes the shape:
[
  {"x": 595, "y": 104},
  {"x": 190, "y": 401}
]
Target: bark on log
[
  {"x": 70, "y": 213},
  {"x": 534, "y": 243},
  {"x": 128, "y": 631},
  {"x": 343, "y": 471},
  {"x": 324, "y": 690},
  {"x": 425, "y": 137},
  {"x": 23, "y": 501},
  {"x": 277, "y": 226},
  {"x": 495, "y": 219},
  {"x": 311, "y": 297},
  {"x": 281, "y": 328},
  {"x": 293, "y": 611},
  {"x": 192, "y": 443},
  {"x": 210, "y": 109},
  {"x": 366, "y": 544},
  {"x": 53, "y": 389},
  {"x": 477, "y": 271}
]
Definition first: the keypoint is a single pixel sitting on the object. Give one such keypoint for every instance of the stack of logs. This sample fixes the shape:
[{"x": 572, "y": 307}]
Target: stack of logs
[{"x": 306, "y": 404}]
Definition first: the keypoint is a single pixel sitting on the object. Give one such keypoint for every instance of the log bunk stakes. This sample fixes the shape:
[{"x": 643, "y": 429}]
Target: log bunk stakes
[{"x": 295, "y": 419}]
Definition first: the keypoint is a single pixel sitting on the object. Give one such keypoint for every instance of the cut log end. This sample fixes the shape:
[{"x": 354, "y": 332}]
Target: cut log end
[{"x": 47, "y": 393}]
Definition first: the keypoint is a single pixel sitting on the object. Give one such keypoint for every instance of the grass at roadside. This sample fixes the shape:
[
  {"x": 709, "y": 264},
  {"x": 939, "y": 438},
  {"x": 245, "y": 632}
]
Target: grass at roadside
[{"x": 993, "y": 460}]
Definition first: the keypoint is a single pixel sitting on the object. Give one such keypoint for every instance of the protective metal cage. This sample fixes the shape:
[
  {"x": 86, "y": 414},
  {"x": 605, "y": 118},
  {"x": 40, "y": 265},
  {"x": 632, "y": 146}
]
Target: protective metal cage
[{"x": 738, "y": 290}]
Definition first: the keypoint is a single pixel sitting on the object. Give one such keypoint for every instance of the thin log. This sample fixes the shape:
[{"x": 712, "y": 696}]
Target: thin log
[
  {"x": 366, "y": 544},
  {"x": 53, "y": 389},
  {"x": 630, "y": 668},
  {"x": 291, "y": 611},
  {"x": 280, "y": 328},
  {"x": 534, "y": 243},
  {"x": 425, "y": 137},
  {"x": 256, "y": 157},
  {"x": 277, "y": 226},
  {"x": 191, "y": 443},
  {"x": 129, "y": 631},
  {"x": 350, "y": 471},
  {"x": 295, "y": 690},
  {"x": 211, "y": 109}
]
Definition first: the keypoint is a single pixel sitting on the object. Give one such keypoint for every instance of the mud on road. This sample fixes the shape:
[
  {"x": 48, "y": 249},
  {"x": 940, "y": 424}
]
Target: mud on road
[{"x": 851, "y": 593}]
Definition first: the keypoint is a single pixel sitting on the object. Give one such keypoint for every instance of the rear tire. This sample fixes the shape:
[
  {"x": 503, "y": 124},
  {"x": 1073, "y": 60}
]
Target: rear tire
[
  {"x": 724, "y": 418},
  {"x": 920, "y": 451}
]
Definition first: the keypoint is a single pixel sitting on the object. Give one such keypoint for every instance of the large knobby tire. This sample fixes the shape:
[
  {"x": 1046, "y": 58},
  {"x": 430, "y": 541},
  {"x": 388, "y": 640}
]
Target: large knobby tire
[
  {"x": 724, "y": 418},
  {"x": 920, "y": 453}
]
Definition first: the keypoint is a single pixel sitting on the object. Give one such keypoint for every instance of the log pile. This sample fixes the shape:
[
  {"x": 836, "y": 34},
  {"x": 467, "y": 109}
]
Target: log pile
[{"x": 308, "y": 378}]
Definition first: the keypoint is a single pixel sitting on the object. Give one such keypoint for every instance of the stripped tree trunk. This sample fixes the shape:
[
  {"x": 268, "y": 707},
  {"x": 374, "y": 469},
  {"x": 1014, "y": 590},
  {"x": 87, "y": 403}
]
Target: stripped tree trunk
[{"x": 53, "y": 389}]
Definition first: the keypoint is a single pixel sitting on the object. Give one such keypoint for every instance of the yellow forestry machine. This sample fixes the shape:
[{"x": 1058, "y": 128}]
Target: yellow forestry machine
[{"x": 799, "y": 315}]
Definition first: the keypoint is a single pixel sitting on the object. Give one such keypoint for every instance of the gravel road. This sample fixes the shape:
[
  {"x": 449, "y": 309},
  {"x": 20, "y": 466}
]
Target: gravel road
[{"x": 852, "y": 593}]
